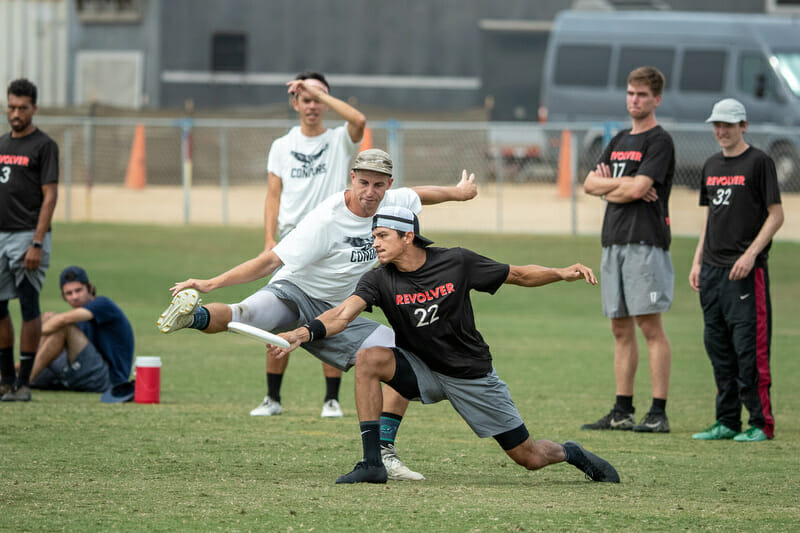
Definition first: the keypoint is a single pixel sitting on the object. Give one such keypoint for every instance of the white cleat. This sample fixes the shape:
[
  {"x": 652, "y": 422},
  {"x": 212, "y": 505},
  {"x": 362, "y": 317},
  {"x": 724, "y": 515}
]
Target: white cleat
[
  {"x": 180, "y": 312},
  {"x": 331, "y": 409},
  {"x": 268, "y": 407},
  {"x": 394, "y": 466}
]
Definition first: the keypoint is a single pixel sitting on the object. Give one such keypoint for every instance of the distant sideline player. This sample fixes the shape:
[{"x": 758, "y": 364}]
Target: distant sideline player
[
  {"x": 88, "y": 348},
  {"x": 320, "y": 263},
  {"x": 28, "y": 193},
  {"x": 305, "y": 167},
  {"x": 425, "y": 295},
  {"x": 740, "y": 191},
  {"x": 636, "y": 275}
]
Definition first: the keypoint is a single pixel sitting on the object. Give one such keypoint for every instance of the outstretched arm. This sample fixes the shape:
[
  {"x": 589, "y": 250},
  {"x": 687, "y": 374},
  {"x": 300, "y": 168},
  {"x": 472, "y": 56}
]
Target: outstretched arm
[
  {"x": 536, "y": 276},
  {"x": 335, "y": 321},
  {"x": 466, "y": 189},
  {"x": 259, "y": 267}
]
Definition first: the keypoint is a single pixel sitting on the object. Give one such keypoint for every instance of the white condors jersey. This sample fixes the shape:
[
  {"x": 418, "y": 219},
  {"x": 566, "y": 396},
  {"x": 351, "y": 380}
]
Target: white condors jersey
[
  {"x": 311, "y": 169},
  {"x": 331, "y": 248}
]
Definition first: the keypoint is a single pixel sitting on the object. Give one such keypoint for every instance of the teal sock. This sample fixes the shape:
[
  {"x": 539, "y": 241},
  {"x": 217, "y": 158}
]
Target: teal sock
[
  {"x": 201, "y": 318},
  {"x": 390, "y": 423}
]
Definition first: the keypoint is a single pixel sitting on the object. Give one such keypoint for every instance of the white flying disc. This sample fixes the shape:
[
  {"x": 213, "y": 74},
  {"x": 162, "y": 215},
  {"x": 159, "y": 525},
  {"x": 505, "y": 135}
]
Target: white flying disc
[{"x": 257, "y": 334}]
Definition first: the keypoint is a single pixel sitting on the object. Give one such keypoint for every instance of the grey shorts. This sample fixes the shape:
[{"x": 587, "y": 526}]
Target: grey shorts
[
  {"x": 636, "y": 279},
  {"x": 88, "y": 373},
  {"x": 338, "y": 351},
  {"x": 13, "y": 247},
  {"x": 485, "y": 403}
]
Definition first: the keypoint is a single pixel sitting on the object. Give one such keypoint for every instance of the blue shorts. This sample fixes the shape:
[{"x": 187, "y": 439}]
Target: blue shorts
[{"x": 88, "y": 373}]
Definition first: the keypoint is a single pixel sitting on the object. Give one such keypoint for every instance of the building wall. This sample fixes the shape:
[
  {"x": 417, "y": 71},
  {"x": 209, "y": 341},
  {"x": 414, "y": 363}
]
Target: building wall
[
  {"x": 421, "y": 54},
  {"x": 33, "y": 37}
]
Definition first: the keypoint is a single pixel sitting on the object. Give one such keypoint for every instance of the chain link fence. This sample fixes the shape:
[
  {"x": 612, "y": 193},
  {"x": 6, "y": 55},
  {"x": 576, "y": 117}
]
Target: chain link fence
[{"x": 200, "y": 167}]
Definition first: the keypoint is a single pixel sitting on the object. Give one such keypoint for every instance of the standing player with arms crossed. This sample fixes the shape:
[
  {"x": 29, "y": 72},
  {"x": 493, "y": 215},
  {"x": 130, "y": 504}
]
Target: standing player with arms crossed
[
  {"x": 424, "y": 293},
  {"x": 305, "y": 167},
  {"x": 729, "y": 270},
  {"x": 637, "y": 279}
]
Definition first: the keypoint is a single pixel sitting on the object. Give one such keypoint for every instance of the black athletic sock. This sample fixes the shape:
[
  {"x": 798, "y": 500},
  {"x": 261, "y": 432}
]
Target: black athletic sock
[
  {"x": 332, "y": 388},
  {"x": 390, "y": 423},
  {"x": 659, "y": 405},
  {"x": 370, "y": 432},
  {"x": 201, "y": 318},
  {"x": 7, "y": 365},
  {"x": 274, "y": 386},
  {"x": 625, "y": 404},
  {"x": 25, "y": 367}
]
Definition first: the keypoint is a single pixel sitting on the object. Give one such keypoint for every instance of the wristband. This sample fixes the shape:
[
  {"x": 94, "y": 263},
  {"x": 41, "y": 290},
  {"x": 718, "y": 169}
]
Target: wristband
[
  {"x": 316, "y": 330},
  {"x": 37, "y": 244}
]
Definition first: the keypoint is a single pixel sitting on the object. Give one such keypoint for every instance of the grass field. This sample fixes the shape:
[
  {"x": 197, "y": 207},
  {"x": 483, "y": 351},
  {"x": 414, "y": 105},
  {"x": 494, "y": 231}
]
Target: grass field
[{"x": 197, "y": 461}]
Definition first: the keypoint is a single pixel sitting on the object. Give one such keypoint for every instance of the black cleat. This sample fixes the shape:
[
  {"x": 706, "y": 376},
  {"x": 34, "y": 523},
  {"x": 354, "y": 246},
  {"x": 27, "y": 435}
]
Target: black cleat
[
  {"x": 654, "y": 423},
  {"x": 365, "y": 473},
  {"x": 616, "y": 419},
  {"x": 595, "y": 468}
]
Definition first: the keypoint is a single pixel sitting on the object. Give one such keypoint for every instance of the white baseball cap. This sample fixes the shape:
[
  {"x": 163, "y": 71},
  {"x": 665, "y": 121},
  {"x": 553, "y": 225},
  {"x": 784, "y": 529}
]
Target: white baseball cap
[
  {"x": 399, "y": 218},
  {"x": 729, "y": 110}
]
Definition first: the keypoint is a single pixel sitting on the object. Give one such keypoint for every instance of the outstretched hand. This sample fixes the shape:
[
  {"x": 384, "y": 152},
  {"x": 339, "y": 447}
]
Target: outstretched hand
[
  {"x": 277, "y": 352},
  {"x": 467, "y": 186},
  {"x": 202, "y": 285},
  {"x": 576, "y": 272}
]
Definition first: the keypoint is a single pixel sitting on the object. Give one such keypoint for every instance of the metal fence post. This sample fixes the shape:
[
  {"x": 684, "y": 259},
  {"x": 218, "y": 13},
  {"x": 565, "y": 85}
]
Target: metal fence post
[
  {"x": 499, "y": 179},
  {"x": 394, "y": 139},
  {"x": 67, "y": 151},
  {"x": 186, "y": 167},
  {"x": 573, "y": 171},
  {"x": 223, "y": 172}
]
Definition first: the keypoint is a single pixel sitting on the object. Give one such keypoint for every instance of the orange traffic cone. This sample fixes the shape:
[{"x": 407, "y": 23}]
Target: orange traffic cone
[
  {"x": 136, "y": 175},
  {"x": 366, "y": 140},
  {"x": 564, "y": 174}
]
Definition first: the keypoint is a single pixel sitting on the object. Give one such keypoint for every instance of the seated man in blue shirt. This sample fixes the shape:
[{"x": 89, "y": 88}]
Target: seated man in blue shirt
[{"x": 89, "y": 348}]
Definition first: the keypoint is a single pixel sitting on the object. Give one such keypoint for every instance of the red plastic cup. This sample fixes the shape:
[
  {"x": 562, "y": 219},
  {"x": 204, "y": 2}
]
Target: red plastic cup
[{"x": 148, "y": 380}]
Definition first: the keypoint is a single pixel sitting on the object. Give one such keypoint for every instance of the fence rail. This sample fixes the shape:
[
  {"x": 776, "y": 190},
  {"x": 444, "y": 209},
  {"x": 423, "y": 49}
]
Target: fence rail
[{"x": 225, "y": 157}]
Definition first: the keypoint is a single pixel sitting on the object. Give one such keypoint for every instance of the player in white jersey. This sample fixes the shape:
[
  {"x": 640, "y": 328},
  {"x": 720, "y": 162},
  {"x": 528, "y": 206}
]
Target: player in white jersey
[
  {"x": 321, "y": 262},
  {"x": 304, "y": 167}
]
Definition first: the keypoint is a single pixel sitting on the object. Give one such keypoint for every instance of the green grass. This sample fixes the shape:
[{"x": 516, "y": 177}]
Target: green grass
[{"x": 197, "y": 461}]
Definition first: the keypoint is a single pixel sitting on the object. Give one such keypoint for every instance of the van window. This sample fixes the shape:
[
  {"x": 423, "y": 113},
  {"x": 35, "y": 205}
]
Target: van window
[
  {"x": 703, "y": 70},
  {"x": 631, "y": 57},
  {"x": 754, "y": 76},
  {"x": 583, "y": 65}
]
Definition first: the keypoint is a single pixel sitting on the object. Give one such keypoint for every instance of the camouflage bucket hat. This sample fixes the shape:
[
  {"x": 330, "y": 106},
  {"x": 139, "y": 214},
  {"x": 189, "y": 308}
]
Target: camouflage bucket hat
[{"x": 374, "y": 160}]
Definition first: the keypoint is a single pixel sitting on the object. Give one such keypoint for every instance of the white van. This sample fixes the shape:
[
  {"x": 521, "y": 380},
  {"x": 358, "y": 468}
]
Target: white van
[{"x": 704, "y": 56}]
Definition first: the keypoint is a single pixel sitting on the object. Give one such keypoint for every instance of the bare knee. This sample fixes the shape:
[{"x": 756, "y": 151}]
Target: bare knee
[
  {"x": 375, "y": 361},
  {"x": 651, "y": 326},
  {"x": 623, "y": 328}
]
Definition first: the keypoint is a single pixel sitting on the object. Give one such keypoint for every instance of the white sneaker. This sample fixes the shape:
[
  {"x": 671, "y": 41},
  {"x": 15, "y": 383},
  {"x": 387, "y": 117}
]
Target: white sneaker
[
  {"x": 331, "y": 409},
  {"x": 268, "y": 407},
  {"x": 180, "y": 312},
  {"x": 395, "y": 467}
]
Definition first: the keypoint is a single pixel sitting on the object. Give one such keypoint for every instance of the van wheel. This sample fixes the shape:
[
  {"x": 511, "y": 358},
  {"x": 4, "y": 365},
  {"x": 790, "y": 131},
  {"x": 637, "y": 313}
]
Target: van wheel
[{"x": 787, "y": 166}]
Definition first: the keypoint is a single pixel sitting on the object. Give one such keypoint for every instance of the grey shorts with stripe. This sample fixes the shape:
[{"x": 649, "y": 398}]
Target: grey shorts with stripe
[
  {"x": 338, "y": 351},
  {"x": 636, "y": 279},
  {"x": 13, "y": 247},
  {"x": 485, "y": 403}
]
